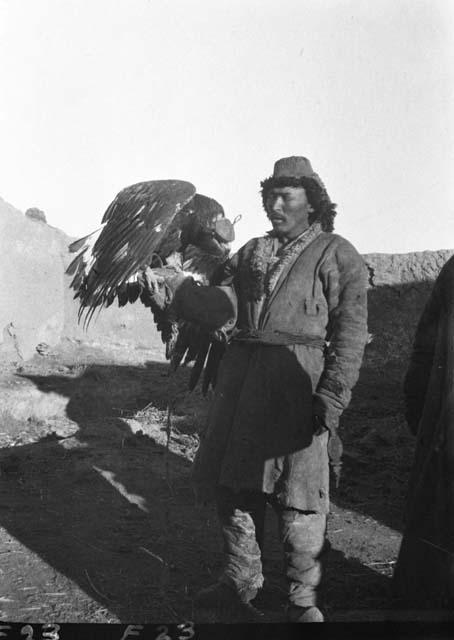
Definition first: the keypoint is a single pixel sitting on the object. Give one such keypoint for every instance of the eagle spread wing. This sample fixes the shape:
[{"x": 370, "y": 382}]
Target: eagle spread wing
[{"x": 154, "y": 226}]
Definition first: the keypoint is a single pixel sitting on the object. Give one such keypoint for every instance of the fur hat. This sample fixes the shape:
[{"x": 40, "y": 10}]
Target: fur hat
[
  {"x": 297, "y": 171},
  {"x": 294, "y": 168}
]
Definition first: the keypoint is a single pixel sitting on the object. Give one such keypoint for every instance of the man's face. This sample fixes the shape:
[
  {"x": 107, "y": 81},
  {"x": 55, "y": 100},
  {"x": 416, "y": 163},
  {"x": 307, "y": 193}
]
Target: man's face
[{"x": 288, "y": 209}]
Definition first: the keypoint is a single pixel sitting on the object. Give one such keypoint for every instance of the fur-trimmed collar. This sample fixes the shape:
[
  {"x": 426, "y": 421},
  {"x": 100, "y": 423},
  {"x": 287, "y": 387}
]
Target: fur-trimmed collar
[{"x": 262, "y": 266}]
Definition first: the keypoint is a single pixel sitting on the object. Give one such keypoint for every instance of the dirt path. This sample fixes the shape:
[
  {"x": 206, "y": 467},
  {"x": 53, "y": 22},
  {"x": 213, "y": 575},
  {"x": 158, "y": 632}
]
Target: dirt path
[{"x": 97, "y": 518}]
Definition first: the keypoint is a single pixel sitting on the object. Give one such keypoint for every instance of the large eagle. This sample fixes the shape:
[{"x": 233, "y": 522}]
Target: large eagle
[{"x": 153, "y": 229}]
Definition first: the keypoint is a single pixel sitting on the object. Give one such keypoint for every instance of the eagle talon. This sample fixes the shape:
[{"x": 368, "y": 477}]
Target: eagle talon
[{"x": 152, "y": 281}]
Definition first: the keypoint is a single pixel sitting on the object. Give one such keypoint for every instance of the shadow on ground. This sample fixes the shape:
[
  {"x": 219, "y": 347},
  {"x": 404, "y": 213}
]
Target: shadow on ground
[{"x": 110, "y": 508}]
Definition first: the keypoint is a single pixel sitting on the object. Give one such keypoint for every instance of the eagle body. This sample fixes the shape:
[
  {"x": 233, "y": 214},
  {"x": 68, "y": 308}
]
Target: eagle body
[{"x": 156, "y": 227}]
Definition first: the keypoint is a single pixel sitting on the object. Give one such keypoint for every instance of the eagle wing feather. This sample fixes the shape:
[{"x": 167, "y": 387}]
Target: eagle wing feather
[{"x": 149, "y": 224}]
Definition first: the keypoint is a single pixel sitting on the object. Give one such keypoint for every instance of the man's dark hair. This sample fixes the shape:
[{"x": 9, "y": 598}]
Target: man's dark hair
[{"x": 324, "y": 209}]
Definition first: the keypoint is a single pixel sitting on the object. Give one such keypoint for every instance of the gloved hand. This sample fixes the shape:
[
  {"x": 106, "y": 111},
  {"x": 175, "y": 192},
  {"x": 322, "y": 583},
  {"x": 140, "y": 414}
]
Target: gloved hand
[
  {"x": 160, "y": 284},
  {"x": 335, "y": 448}
]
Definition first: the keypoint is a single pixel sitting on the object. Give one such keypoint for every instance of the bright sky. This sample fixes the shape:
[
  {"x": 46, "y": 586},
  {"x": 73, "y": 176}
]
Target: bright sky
[{"x": 99, "y": 94}]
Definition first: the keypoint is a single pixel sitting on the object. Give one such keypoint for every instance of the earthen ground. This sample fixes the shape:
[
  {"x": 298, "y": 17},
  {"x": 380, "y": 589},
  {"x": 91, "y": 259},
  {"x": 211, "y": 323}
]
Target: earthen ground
[{"x": 97, "y": 517}]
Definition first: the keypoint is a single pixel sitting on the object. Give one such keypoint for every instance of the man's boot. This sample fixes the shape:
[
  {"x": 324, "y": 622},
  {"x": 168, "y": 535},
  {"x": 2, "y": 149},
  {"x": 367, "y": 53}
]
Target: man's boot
[
  {"x": 241, "y": 518},
  {"x": 219, "y": 592},
  {"x": 303, "y": 537},
  {"x": 304, "y": 614},
  {"x": 224, "y": 599}
]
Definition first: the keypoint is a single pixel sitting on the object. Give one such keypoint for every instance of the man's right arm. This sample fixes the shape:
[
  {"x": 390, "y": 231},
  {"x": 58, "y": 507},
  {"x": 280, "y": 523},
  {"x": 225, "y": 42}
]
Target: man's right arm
[{"x": 210, "y": 307}]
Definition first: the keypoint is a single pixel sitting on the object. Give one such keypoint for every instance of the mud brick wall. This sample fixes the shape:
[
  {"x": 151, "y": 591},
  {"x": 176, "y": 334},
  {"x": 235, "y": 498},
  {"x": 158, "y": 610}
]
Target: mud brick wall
[{"x": 37, "y": 306}]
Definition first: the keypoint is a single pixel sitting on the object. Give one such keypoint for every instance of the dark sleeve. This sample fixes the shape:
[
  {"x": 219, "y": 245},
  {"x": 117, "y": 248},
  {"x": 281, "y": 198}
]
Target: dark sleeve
[
  {"x": 418, "y": 374},
  {"x": 344, "y": 277},
  {"x": 212, "y": 307}
]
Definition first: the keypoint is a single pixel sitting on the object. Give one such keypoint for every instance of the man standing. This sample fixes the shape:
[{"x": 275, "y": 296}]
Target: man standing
[
  {"x": 299, "y": 295},
  {"x": 424, "y": 574}
]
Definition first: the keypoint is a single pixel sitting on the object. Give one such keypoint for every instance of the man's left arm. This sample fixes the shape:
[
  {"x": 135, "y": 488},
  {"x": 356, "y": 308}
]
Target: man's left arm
[{"x": 344, "y": 276}]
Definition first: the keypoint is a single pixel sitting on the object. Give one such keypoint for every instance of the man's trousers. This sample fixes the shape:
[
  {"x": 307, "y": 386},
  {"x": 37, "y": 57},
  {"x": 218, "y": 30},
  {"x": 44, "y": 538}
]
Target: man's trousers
[{"x": 302, "y": 534}]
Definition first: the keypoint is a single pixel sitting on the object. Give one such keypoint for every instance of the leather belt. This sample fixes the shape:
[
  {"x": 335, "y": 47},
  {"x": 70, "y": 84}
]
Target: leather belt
[{"x": 256, "y": 336}]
